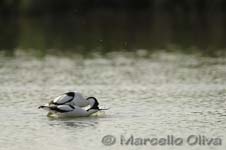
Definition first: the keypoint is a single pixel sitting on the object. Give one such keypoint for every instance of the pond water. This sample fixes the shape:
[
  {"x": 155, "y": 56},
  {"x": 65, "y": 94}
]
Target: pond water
[
  {"x": 150, "y": 95},
  {"x": 115, "y": 31},
  {"x": 159, "y": 73}
]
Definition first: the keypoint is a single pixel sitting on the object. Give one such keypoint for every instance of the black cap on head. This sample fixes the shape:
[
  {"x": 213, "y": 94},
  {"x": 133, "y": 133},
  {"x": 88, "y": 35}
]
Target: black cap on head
[{"x": 95, "y": 104}]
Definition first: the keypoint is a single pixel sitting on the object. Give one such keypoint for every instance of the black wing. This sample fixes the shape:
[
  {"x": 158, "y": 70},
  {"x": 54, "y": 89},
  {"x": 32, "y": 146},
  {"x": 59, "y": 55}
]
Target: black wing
[{"x": 62, "y": 108}]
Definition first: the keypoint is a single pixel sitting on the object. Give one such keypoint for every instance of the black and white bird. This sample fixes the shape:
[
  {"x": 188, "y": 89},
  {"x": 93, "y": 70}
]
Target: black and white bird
[
  {"x": 68, "y": 110},
  {"x": 74, "y": 98}
]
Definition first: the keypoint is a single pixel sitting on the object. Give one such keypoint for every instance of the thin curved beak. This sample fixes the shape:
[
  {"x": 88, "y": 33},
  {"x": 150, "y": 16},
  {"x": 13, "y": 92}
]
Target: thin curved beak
[{"x": 103, "y": 108}]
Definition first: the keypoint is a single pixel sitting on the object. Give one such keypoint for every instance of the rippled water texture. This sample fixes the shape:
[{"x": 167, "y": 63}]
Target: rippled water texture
[{"x": 156, "y": 95}]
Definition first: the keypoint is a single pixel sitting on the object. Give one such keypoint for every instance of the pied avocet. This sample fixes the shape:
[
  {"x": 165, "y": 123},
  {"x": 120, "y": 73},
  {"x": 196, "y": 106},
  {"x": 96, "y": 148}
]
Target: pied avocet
[
  {"x": 68, "y": 110},
  {"x": 70, "y": 98}
]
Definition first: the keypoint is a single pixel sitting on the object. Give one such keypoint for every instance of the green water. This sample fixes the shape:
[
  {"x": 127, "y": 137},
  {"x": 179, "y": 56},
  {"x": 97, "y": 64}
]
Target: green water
[{"x": 106, "y": 31}]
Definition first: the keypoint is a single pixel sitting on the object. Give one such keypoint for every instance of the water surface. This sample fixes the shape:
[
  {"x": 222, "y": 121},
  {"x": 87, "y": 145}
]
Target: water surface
[{"x": 149, "y": 95}]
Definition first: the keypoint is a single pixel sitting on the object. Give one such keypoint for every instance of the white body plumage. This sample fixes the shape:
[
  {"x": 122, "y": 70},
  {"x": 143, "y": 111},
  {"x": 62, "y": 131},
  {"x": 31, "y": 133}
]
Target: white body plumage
[{"x": 69, "y": 111}]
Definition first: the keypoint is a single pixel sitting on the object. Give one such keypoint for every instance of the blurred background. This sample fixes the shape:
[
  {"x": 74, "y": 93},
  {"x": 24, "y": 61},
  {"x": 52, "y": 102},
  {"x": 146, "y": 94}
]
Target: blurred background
[
  {"x": 113, "y": 25},
  {"x": 159, "y": 65}
]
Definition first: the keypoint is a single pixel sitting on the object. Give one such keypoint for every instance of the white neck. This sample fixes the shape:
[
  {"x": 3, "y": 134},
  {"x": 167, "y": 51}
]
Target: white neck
[{"x": 91, "y": 102}]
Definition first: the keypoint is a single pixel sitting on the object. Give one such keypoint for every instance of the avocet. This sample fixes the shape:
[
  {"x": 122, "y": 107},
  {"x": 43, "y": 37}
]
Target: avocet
[
  {"x": 68, "y": 110},
  {"x": 74, "y": 98}
]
